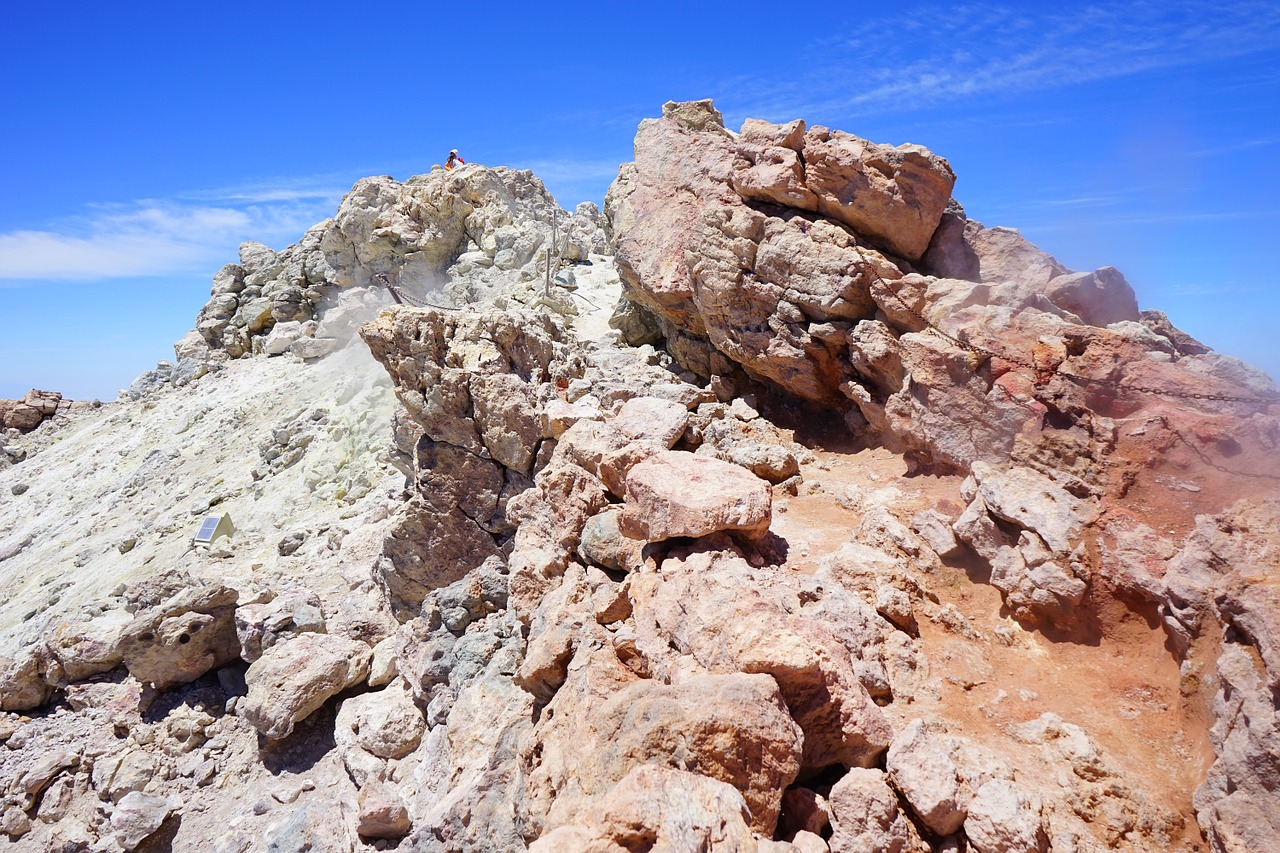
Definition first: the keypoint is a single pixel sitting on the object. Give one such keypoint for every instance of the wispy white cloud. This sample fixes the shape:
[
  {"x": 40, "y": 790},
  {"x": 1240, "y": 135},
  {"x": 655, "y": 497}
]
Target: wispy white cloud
[
  {"x": 1083, "y": 201},
  {"x": 991, "y": 50},
  {"x": 1205, "y": 288},
  {"x": 1246, "y": 145},
  {"x": 196, "y": 232},
  {"x": 1145, "y": 217},
  {"x": 48, "y": 255},
  {"x": 326, "y": 188}
]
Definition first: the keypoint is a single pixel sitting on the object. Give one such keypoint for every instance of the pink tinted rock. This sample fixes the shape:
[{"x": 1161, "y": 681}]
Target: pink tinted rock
[
  {"x": 679, "y": 494},
  {"x": 652, "y": 418},
  {"x": 382, "y": 812},
  {"x": 895, "y": 195},
  {"x": 660, "y": 809},
  {"x": 921, "y": 768}
]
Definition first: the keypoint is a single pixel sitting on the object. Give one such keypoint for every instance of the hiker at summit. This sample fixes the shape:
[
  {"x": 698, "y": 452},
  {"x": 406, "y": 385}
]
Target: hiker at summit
[{"x": 453, "y": 160}]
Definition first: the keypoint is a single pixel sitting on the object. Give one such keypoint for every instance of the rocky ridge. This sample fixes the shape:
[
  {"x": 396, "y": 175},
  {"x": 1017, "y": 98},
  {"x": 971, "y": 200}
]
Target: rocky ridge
[{"x": 771, "y": 567}]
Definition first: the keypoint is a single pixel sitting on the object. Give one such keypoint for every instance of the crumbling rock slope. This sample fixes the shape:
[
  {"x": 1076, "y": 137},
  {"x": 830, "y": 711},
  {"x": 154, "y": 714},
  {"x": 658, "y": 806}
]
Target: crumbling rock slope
[{"x": 866, "y": 528}]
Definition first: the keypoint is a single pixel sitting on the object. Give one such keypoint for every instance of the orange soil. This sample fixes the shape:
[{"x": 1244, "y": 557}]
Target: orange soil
[{"x": 1121, "y": 685}]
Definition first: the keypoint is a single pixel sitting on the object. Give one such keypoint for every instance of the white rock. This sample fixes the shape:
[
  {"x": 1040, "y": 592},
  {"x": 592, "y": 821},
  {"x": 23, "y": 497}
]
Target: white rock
[
  {"x": 309, "y": 348},
  {"x": 920, "y": 767},
  {"x": 137, "y": 816},
  {"x": 282, "y": 337},
  {"x": 383, "y": 667},
  {"x": 1004, "y": 819}
]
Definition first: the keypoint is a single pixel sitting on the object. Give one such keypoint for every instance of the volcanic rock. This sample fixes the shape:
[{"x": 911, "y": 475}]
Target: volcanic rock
[
  {"x": 922, "y": 770},
  {"x": 680, "y": 494},
  {"x": 866, "y": 815},
  {"x": 295, "y": 677},
  {"x": 183, "y": 638}
]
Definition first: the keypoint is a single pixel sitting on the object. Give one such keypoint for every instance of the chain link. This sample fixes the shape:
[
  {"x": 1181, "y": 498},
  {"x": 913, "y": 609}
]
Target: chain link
[
  {"x": 405, "y": 299},
  {"x": 1040, "y": 371}
]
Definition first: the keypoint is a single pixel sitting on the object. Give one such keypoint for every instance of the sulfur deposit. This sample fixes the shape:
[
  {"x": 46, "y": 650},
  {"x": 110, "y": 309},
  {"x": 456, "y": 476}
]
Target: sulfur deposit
[{"x": 777, "y": 507}]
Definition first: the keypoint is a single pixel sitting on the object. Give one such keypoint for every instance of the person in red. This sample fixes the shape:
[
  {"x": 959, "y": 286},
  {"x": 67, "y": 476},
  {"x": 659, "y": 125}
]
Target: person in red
[{"x": 454, "y": 160}]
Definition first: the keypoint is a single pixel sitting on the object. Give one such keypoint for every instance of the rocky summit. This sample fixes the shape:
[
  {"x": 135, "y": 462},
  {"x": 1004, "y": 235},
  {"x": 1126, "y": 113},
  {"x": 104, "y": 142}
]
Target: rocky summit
[{"x": 776, "y": 507}]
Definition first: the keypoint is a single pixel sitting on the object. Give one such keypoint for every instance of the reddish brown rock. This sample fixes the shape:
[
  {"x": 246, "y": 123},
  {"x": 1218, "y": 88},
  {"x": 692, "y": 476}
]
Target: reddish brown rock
[
  {"x": 895, "y": 195},
  {"x": 15, "y": 414},
  {"x": 382, "y": 813},
  {"x": 660, "y": 809},
  {"x": 698, "y": 603},
  {"x": 605, "y": 721}
]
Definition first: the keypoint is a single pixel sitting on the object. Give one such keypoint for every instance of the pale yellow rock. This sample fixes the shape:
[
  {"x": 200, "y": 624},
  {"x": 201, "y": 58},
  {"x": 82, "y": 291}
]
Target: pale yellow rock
[{"x": 295, "y": 677}]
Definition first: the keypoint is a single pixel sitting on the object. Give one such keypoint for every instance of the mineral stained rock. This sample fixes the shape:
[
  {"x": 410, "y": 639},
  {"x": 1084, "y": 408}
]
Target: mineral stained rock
[{"x": 779, "y": 562}]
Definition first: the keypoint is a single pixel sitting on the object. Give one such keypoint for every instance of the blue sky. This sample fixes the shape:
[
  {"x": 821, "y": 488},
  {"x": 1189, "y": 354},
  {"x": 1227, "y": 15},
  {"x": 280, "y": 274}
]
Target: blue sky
[{"x": 143, "y": 142}]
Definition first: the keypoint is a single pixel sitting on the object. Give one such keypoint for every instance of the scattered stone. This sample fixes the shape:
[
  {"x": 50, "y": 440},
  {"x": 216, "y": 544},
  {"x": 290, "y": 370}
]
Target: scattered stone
[
  {"x": 382, "y": 813},
  {"x": 261, "y": 626},
  {"x": 317, "y": 826},
  {"x": 14, "y": 822},
  {"x": 289, "y": 545},
  {"x": 604, "y": 545}
]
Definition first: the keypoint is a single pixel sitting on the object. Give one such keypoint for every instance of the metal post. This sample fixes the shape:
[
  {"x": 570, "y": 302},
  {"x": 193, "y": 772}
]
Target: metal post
[{"x": 546, "y": 290}]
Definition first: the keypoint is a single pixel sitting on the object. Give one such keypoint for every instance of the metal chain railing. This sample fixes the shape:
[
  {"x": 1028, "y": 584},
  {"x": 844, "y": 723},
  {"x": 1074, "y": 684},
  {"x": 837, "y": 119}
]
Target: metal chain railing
[
  {"x": 1256, "y": 475},
  {"x": 1039, "y": 370},
  {"x": 402, "y": 298}
]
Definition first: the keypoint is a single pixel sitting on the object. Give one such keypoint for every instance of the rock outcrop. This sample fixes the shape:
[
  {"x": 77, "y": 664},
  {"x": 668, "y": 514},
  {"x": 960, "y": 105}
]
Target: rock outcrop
[{"x": 867, "y": 528}]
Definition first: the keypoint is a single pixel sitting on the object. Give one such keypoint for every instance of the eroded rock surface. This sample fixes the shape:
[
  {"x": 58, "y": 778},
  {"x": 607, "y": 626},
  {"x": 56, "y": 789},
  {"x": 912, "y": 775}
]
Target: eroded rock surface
[{"x": 771, "y": 567}]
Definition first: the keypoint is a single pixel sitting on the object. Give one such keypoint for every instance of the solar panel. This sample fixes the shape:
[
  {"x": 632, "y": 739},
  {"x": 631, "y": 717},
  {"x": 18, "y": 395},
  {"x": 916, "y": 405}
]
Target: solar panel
[{"x": 212, "y": 527}]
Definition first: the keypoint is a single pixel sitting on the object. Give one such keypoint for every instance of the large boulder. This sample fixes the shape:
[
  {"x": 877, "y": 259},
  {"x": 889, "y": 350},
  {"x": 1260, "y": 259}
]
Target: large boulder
[
  {"x": 680, "y": 494},
  {"x": 605, "y": 721},
  {"x": 294, "y": 678},
  {"x": 182, "y": 638}
]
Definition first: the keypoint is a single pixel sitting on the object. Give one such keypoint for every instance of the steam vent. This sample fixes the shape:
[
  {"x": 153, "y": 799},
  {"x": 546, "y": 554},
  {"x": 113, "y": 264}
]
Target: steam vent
[{"x": 776, "y": 507}]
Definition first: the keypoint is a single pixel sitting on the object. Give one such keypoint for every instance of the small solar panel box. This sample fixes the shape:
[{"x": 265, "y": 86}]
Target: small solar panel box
[{"x": 213, "y": 527}]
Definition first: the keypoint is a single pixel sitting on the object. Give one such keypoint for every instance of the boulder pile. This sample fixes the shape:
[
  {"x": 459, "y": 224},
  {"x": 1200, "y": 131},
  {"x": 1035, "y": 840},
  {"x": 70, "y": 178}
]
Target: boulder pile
[
  {"x": 463, "y": 236},
  {"x": 866, "y": 528}
]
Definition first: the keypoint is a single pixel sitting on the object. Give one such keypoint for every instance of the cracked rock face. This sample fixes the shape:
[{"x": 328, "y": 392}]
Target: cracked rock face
[{"x": 786, "y": 572}]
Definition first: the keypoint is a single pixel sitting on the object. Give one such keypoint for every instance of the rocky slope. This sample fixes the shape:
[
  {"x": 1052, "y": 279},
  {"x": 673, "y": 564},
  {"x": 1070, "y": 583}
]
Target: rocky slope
[{"x": 869, "y": 528}]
